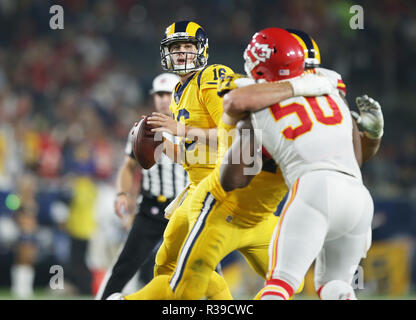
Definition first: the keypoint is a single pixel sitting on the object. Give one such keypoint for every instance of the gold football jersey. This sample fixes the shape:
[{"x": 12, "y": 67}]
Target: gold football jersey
[
  {"x": 260, "y": 198},
  {"x": 195, "y": 103}
]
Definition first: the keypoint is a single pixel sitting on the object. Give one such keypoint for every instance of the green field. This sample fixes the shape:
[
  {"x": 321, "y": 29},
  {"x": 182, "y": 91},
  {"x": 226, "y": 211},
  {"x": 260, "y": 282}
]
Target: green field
[{"x": 41, "y": 294}]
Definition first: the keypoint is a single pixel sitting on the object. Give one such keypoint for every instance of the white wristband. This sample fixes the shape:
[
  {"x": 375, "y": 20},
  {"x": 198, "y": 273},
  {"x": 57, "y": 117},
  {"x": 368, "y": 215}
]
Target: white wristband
[{"x": 311, "y": 85}]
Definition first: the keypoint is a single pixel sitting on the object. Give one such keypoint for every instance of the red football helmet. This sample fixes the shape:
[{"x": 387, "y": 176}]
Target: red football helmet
[{"x": 273, "y": 54}]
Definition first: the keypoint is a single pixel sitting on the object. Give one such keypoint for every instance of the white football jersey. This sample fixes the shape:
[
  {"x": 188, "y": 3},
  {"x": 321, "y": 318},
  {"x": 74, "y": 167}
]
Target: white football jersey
[
  {"x": 304, "y": 134},
  {"x": 334, "y": 77}
]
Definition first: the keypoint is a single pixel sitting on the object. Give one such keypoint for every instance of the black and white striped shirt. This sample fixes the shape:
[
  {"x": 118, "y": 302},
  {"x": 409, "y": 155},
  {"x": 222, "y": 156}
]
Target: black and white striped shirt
[{"x": 165, "y": 178}]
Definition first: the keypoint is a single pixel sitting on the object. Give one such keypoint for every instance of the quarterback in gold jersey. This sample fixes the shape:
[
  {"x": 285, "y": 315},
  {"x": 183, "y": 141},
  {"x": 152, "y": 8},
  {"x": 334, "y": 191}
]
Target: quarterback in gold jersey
[{"x": 196, "y": 110}]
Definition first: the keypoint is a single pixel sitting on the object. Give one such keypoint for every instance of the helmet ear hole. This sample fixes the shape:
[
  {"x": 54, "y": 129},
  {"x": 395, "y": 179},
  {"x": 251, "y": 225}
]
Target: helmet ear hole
[{"x": 259, "y": 73}]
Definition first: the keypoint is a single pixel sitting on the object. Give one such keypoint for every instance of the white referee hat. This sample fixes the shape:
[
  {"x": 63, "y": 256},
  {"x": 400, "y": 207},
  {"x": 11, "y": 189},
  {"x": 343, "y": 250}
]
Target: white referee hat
[{"x": 164, "y": 82}]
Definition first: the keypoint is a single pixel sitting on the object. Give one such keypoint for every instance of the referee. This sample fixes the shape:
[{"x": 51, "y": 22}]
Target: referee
[{"x": 159, "y": 186}]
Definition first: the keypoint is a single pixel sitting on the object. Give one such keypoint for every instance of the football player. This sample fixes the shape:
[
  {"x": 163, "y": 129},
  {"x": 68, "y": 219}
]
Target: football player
[
  {"x": 311, "y": 139},
  {"x": 196, "y": 110},
  {"x": 223, "y": 222}
]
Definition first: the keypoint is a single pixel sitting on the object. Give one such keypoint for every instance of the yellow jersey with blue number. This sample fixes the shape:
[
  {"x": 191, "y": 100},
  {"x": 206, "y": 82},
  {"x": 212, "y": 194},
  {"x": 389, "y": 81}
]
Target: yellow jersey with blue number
[
  {"x": 195, "y": 103},
  {"x": 259, "y": 199}
]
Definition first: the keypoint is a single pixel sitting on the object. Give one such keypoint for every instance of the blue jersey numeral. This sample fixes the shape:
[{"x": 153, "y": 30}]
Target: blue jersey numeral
[
  {"x": 185, "y": 114},
  {"x": 221, "y": 73}
]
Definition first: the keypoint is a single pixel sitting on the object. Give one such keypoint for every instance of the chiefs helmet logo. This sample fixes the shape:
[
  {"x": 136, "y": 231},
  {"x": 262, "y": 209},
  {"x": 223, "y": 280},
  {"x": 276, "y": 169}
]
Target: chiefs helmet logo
[{"x": 261, "y": 52}]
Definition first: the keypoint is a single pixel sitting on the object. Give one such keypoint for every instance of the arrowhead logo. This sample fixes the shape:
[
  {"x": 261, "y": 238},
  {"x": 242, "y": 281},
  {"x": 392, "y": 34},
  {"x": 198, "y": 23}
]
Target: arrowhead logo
[{"x": 261, "y": 52}]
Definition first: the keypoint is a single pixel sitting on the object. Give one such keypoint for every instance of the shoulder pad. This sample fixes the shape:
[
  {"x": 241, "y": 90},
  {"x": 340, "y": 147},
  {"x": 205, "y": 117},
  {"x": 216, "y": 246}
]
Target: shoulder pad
[
  {"x": 334, "y": 76},
  {"x": 208, "y": 77}
]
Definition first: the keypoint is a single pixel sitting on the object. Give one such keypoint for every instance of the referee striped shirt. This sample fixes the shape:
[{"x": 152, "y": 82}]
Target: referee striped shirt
[{"x": 166, "y": 178}]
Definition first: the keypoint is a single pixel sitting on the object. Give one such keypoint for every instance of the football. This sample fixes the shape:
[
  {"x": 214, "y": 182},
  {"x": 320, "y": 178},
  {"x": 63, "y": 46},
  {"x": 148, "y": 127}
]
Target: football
[{"x": 144, "y": 145}]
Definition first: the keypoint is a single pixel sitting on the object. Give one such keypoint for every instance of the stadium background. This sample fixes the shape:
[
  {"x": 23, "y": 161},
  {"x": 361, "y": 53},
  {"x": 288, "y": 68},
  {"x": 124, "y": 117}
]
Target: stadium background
[{"x": 68, "y": 98}]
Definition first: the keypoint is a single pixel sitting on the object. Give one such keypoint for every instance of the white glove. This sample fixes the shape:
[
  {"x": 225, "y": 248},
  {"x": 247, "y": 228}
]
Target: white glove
[
  {"x": 244, "y": 82},
  {"x": 370, "y": 120},
  {"x": 312, "y": 85}
]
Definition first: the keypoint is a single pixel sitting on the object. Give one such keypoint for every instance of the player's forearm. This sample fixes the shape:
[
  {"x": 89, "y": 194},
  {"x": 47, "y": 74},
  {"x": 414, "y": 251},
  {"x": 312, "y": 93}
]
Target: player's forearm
[
  {"x": 369, "y": 146},
  {"x": 356, "y": 139},
  {"x": 238, "y": 173},
  {"x": 364, "y": 147},
  {"x": 256, "y": 97},
  {"x": 232, "y": 174},
  {"x": 172, "y": 151},
  {"x": 125, "y": 177}
]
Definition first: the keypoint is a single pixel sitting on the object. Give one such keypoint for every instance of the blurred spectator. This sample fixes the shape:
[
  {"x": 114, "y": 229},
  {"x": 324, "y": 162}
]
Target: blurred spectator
[
  {"x": 26, "y": 247},
  {"x": 80, "y": 227}
]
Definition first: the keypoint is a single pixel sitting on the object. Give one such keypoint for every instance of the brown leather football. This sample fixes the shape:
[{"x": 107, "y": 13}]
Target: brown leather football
[{"x": 144, "y": 145}]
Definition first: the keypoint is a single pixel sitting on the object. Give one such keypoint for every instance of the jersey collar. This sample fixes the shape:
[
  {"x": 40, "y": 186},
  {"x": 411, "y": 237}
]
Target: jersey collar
[{"x": 181, "y": 88}]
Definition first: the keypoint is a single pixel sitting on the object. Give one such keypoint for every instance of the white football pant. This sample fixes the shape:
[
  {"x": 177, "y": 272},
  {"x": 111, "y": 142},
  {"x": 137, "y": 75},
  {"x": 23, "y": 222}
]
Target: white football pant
[{"x": 326, "y": 217}]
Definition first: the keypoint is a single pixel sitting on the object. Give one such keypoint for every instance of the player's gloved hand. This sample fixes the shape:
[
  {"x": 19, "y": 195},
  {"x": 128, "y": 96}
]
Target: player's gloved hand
[
  {"x": 312, "y": 85},
  {"x": 231, "y": 82},
  {"x": 370, "y": 120}
]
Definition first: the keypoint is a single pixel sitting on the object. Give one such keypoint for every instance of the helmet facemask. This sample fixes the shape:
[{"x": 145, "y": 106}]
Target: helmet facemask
[
  {"x": 249, "y": 64},
  {"x": 312, "y": 63},
  {"x": 198, "y": 62}
]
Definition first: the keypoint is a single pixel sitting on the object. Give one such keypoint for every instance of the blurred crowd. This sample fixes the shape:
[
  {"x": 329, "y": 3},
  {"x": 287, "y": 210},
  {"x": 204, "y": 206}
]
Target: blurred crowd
[{"x": 69, "y": 97}]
